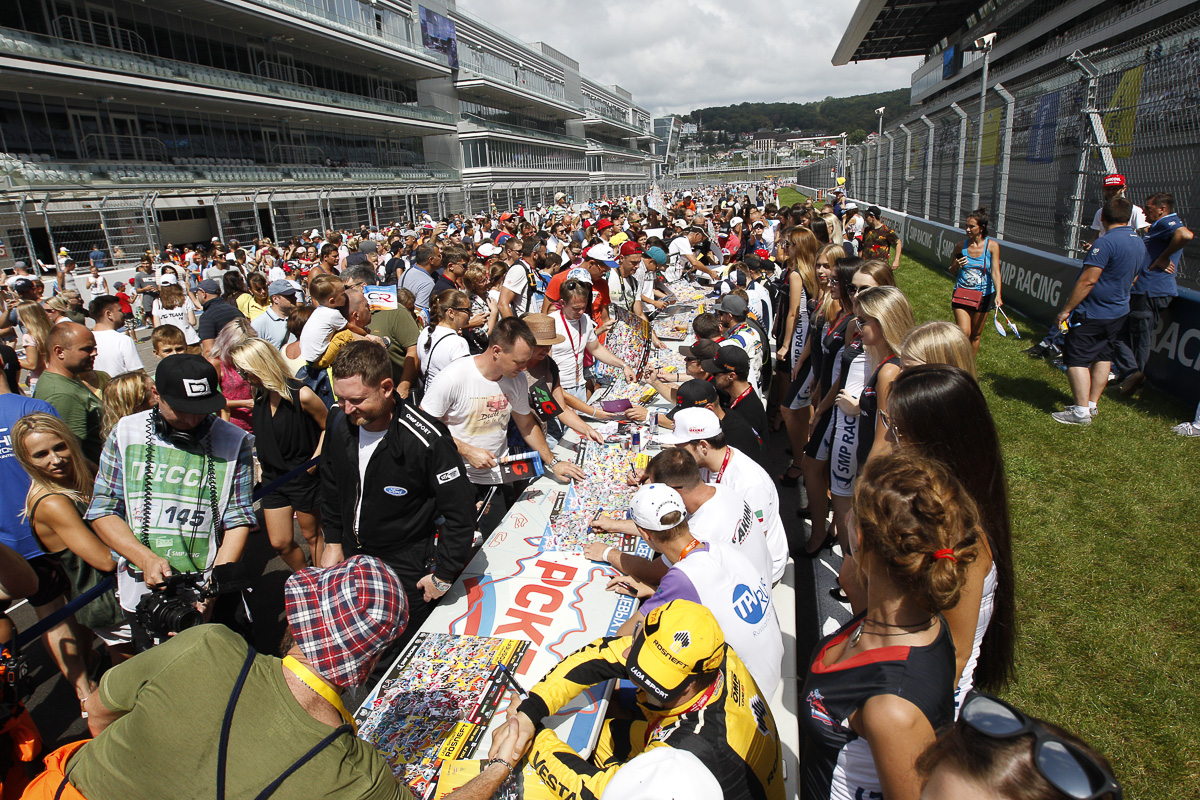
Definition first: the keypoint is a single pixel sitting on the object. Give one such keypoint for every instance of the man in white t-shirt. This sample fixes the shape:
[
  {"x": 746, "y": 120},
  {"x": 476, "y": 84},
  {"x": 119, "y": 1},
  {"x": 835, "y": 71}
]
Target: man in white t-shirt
[
  {"x": 578, "y": 330},
  {"x": 520, "y": 282},
  {"x": 1114, "y": 186},
  {"x": 698, "y": 431},
  {"x": 475, "y": 398},
  {"x": 713, "y": 574},
  {"x": 116, "y": 353},
  {"x": 716, "y": 514},
  {"x": 681, "y": 254}
]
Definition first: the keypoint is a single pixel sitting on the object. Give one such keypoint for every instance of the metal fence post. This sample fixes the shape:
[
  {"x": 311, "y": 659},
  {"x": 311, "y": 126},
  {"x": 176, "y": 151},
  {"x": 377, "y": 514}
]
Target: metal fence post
[
  {"x": 928, "y": 161},
  {"x": 962, "y": 160},
  {"x": 257, "y": 219},
  {"x": 1010, "y": 103},
  {"x": 33, "y": 259},
  {"x": 907, "y": 171},
  {"x": 103, "y": 229},
  {"x": 50, "y": 232},
  {"x": 891, "y": 137},
  {"x": 878, "y": 167},
  {"x": 216, "y": 204},
  {"x": 149, "y": 219}
]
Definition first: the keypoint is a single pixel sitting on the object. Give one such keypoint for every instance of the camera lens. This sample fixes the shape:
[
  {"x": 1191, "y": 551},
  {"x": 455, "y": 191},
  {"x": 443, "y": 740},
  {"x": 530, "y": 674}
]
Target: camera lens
[{"x": 176, "y": 618}]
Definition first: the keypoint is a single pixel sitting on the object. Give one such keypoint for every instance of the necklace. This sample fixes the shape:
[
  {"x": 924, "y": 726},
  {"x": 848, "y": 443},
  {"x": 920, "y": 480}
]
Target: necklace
[{"x": 858, "y": 632}]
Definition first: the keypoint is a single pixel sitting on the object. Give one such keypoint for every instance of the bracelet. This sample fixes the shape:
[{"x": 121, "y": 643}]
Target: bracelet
[
  {"x": 498, "y": 760},
  {"x": 607, "y": 550}
]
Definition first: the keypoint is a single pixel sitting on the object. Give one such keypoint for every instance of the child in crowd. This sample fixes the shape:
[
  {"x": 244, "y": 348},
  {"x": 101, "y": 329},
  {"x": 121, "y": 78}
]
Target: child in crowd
[
  {"x": 327, "y": 320},
  {"x": 167, "y": 340},
  {"x": 126, "y": 308},
  {"x": 407, "y": 299}
]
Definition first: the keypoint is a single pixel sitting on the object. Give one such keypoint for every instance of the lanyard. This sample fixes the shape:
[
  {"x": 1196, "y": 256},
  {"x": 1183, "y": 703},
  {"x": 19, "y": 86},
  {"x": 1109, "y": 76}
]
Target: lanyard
[
  {"x": 320, "y": 687},
  {"x": 724, "y": 464},
  {"x": 739, "y": 399},
  {"x": 688, "y": 550},
  {"x": 705, "y": 697},
  {"x": 575, "y": 354}
]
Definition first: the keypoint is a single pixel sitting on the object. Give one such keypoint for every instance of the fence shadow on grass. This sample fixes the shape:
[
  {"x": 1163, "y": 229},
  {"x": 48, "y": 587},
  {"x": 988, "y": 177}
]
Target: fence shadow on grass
[{"x": 1038, "y": 394}]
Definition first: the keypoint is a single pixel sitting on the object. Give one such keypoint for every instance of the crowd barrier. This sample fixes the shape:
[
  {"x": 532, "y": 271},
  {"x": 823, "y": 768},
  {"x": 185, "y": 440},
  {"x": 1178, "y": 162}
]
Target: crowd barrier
[{"x": 1036, "y": 284}]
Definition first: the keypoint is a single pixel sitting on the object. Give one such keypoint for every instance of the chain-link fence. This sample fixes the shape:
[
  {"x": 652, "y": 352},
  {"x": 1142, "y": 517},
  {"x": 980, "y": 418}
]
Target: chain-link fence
[{"x": 1040, "y": 169}]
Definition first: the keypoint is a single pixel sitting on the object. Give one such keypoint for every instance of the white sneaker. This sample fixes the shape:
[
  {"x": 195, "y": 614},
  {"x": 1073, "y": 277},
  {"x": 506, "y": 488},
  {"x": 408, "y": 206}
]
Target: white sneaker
[
  {"x": 1092, "y": 411},
  {"x": 1187, "y": 429},
  {"x": 1071, "y": 418}
]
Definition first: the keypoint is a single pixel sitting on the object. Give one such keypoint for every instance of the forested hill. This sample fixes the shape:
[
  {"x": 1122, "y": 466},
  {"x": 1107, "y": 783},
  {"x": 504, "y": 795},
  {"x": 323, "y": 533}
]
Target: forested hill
[{"x": 831, "y": 115}]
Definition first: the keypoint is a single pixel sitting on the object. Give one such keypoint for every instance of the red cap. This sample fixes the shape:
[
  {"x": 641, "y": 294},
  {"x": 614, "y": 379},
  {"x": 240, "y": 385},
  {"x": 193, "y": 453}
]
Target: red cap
[
  {"x": 1114, "y": 181},
  {"x": 604, "y": 223},
  {"x": 507, "y": 215},
  {"x": 631, "y": 248},
  {"x": 761, "y": 253}
]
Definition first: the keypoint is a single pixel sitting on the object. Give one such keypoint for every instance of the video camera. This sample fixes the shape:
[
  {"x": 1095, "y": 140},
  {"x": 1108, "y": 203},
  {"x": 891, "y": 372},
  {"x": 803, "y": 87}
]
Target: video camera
[{"x": 170, "y": 607}]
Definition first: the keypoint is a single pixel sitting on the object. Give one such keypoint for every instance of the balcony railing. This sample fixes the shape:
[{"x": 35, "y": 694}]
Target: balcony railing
[
  {"x": 119, "y": 147},
  {"x": 25, "y": 44},
  {"x": 472, "y": 61},
  {"x": 629, "y": 152},
  {"x": 88, "y": 31},
  {"x": 517, "y": 130},
  {"x": 404, "y": 39}
]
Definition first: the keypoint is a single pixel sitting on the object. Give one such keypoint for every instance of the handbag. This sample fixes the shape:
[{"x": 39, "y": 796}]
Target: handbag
[{"x": 971, "y": 298}]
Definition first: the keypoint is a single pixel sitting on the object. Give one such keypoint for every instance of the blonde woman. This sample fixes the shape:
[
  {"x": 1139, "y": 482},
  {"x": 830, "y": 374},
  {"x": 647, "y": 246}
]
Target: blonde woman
[
  {"x": 57, "y": 309},
  {"x": 799, "y": 247},
  {"x": 290, "y": 420},
  {"x": 174, "y": 307},
  {"x": 938, "y": 342},
  {"x": 239, "y": 395},
  {"x": 885, "y": 318},
  {"x": 127, "y": 393},
  {"x": 37, "y": 325},
  {"x": 836, "y": 235},
  {"x": 59, "y": 493}
]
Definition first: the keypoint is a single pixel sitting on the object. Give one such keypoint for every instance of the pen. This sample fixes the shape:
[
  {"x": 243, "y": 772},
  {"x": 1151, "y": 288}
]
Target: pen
[{"x": 508, "y": 676}]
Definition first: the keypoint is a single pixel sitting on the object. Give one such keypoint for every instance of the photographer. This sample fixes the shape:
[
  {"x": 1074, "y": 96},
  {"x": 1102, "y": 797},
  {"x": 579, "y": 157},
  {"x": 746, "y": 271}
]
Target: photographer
[
  {"x": 182, "y": 478},
  {"x": 206, "y": 716}
]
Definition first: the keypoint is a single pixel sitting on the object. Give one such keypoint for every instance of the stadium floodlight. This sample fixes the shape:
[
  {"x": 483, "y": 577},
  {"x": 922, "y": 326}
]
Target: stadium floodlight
[
  {"x": 985, "y": 42},
  {"x": 879, "y": 111}
]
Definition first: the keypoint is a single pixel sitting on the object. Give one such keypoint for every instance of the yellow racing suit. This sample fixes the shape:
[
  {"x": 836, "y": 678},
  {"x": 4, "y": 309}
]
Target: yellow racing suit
[{"x": 729, "y": 728}]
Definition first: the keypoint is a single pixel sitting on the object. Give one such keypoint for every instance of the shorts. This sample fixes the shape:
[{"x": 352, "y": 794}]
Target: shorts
[
  {"x": 799, "y": 394},
  {"x": 302, "y": 493},
  {"x": 843, "y": 458},
  {"x": 985, "y": 305},
  {"x": 52, "y": 580},
  {"x": 1090, "y": 341},
  {"x": 821, "y": 441}
]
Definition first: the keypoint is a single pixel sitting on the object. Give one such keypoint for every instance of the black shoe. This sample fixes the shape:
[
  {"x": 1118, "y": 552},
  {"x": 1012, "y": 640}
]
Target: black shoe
[
  {"x": 803, "y": 513},
  {"x": 789, "y": 480},
  {"x": 1037, "y": 351},
  {"x": 839, "y": 594}
]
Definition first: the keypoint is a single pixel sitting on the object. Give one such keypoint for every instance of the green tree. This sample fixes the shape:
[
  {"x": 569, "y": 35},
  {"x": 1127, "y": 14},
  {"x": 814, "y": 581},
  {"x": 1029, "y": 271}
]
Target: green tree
[{"x": 857, "y": 136}]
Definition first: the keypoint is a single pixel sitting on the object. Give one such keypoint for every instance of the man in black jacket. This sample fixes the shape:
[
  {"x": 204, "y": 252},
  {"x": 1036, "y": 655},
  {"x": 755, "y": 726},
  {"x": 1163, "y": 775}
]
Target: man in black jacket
[{"x": 390, "y": 475}]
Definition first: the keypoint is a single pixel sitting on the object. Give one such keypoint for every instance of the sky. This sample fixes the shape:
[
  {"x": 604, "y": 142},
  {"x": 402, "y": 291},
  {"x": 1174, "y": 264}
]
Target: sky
[{"x": 679, "y": 55}]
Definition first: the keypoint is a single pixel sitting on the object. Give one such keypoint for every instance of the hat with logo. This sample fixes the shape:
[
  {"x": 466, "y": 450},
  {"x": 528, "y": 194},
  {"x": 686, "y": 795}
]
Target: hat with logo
[
  {"x": 542, "y": 327},
  {"x": 732, "y": 304},
  {"x": 695, "y": 229},
  {"x": 699, "y": 349},
  {"x": 281, "y": 288},
  {"x": 22, "y": 285},
  {"x": 604, "y": 224},
  {"x": 579, "y": 274},
  {"x": 189, "y": 384},
  {"x": 692, "y": 425},
  {"x": 679, "y": 640},
  {"x": 487, "y": 250},
  {"x": 664, "y": 773},
  {"x": 729, "y": 358},
  {"x": 657, "y": 255},
  {"x": 874, "y": 211},
  {"x": 631, "y": 249},
  {"x": 652, "y": 502},
  {"x": 735, "y": 221},
  {"x": 209, "y": 285},
  {"x": 603, "y": 253},
  {"x": 759, "y": 224},
  {"x": 344, "y": 616},
  {"x": 1114, "y": 181},
  {"x": 695, "y": 393}
]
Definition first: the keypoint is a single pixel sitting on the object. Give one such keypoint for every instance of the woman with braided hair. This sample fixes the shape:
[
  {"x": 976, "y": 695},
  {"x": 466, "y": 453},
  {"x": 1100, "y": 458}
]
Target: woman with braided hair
[
  {"x": 880, "y": 686},
  {"x": 441, "y": 341}
]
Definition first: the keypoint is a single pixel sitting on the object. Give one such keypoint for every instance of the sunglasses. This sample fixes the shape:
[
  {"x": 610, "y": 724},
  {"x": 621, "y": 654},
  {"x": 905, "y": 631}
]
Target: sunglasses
[
  {"x": 853, "y": 290},
  {"x": 1069, "y": 769},
  {"x": 887, "y": 423},
  {"x": 466, "y": 310}
]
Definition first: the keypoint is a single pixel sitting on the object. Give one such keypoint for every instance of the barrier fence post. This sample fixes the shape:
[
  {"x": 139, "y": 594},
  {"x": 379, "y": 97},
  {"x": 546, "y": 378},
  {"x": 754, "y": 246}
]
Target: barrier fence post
[
  {"x": 149, "y": 220},
  {"x": 1005, "y": 158},
  {"x": 962, "y": 160},
  {"x": 928, "y": 162},
  {"x": 50, "y": 232},
  {"x": 907, "y": 164},
  {"x": 32, "y": 256},
  {"x": 103, "y": 229},
  {"x": 887, "y": 198}
]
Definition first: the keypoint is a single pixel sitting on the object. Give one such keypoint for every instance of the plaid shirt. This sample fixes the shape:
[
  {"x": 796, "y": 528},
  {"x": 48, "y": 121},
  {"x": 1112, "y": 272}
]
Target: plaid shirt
[{"x": 109, "y": 494}]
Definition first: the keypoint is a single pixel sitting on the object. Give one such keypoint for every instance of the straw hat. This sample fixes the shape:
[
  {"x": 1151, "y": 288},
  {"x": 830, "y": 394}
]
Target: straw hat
[{"x": 543, "y": 329}]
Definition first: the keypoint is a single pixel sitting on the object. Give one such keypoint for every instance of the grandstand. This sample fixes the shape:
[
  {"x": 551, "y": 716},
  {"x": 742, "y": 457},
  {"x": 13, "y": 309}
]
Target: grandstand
[
  {"x": 129, "y": 124},
  {"x": 1042, "y": 160}
]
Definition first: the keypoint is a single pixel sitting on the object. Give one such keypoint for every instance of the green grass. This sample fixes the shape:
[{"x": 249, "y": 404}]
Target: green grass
[
  {"x": 789, "y": 196},
  {"x": 1107, "y": 557}
]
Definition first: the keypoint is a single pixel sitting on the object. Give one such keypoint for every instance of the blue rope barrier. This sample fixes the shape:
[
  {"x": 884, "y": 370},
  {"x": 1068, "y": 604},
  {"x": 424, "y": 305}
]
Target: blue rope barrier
[
  {"x": 275, "y": 484},
  {"x": 41, "y": 626}
]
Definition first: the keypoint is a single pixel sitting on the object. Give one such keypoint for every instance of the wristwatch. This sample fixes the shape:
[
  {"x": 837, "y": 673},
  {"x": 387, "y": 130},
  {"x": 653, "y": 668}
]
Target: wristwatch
[
  {"x": 556, "y": 460},
  {"x": 441, "y": 586}
]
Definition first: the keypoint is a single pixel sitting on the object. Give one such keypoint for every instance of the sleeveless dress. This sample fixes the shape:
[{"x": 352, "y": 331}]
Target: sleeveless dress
[
  {"x": 836, "y": 762},
  {"x": 103, "y": 612},
  {"x": 976, "y": 275},
  {"x": 868, "y": 405}
]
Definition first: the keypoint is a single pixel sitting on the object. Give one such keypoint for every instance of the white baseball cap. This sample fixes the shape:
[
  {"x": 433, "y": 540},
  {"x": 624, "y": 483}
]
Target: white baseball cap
[
  {"x": 487, "y": 250},
  {"x": 692, "y": 425},
  {"x": 602, "y": 252},
  {"x": 664, "y": 773},
  {"x": 580, "y": 274},
  {"x": 654, "y": 501},
  {"x": 736, "y": 221}
]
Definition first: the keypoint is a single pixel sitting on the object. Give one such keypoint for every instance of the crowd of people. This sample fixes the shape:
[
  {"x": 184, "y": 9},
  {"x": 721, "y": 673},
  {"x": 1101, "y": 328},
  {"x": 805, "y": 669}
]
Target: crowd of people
[{"x": 379, "y": 429}]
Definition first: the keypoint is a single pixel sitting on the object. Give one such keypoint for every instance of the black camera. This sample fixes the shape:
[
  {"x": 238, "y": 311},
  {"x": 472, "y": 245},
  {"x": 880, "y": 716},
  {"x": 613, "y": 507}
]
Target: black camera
[{"x": 170, "y": 607}]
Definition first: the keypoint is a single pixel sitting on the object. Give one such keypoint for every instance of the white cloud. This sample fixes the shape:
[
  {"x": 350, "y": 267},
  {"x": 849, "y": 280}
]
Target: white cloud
[{"x": 679, "y": 55}]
